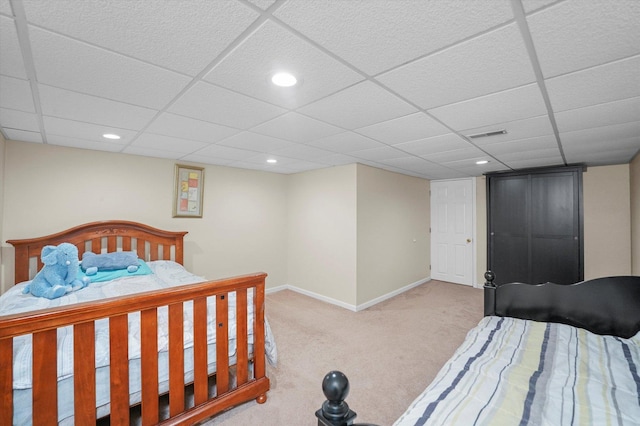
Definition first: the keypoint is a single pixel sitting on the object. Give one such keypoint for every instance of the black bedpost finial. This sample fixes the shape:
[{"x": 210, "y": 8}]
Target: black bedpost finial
[
  {"x": 489, "y": 276},
  {"x": 335, "y": 411}
]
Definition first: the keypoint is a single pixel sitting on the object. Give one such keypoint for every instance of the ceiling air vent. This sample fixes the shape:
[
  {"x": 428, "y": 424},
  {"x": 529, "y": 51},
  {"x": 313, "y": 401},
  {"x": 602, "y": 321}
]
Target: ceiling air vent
[{"x": 483, "y": 135}]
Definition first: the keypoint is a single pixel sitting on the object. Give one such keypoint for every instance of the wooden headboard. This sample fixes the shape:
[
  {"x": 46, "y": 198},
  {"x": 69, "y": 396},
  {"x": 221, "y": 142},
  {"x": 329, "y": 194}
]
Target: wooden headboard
[{"x": 101, "y": 237}]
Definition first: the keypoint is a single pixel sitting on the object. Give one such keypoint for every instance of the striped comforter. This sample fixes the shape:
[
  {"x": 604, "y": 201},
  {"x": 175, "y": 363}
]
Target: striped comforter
[{"x": 516, "y": 372}]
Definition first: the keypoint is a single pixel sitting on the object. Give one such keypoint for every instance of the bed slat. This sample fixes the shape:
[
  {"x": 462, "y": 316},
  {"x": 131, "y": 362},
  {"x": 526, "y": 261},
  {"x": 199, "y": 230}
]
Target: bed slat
[
  {"x": 222, "y": 339},
  {"x": 149, "y": 353},
  {"x": 258, "y": 329},
  {"x": 176, "y": 358},
  {"x": 242, "y": 333},
  {"x": 84, "y": 373},
  {"x": 6, "y": 382},
  {"x": 45, "y": 389},
  {"x": 200, "y": 380},
  {"x": 119, "y": 353}
]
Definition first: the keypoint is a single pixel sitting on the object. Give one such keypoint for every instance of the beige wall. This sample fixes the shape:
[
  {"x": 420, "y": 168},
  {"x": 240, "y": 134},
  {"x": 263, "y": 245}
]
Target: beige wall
[
  {"x": 393, "y": 232},
  {"x": 635, "y": 214},
  {"x": 2, "y": 250},
  {"x": 481, "y": 229},
  {"x": 607, "y": 221},
  {"x": 322, "y": 233},
  {"x": 50, "y": 188}
]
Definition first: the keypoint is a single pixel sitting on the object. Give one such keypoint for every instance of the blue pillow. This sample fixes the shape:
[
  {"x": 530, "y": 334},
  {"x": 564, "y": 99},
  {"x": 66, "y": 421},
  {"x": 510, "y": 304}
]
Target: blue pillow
[{"x": 101, "y": 276}]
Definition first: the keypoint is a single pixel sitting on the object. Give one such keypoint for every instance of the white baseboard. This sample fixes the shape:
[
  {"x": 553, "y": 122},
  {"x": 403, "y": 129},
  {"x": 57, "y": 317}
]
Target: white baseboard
[{"x": 345, "y": 305}]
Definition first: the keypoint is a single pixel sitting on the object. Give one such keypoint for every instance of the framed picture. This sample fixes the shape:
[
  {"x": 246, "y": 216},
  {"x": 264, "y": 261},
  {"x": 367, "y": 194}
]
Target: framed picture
[{"x": 188, "y": 191}]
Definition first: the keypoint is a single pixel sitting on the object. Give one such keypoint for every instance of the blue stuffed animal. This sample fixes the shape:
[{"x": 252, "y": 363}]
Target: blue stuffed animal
[{"x": 59, "y": 275}]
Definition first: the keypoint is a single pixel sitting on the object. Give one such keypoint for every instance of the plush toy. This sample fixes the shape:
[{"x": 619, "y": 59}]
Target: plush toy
[
  {"x": 92, "y": 263},
  {"x": 59, "y": 275}
]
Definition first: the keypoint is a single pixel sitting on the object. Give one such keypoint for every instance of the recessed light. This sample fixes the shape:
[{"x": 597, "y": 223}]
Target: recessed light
[
  {"x": 284, "y": 79},
  {"x": 482, "y": 162},
  {"x": 272, "y": 161},
  {"x": 110, "y": 136}
]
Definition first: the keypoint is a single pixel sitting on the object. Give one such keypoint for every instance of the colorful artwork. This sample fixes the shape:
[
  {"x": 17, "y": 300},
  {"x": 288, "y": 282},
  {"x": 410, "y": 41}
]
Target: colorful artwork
[{"x": 189, "y": 191}]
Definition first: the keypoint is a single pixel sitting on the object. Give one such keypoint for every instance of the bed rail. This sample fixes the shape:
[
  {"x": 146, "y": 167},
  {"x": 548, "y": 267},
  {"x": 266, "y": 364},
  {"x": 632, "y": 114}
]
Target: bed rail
[{"x": 43, "y": 326}]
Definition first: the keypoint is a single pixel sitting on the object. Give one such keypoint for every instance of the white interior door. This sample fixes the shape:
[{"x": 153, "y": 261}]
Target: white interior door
[{"x": 452, "y": 230}]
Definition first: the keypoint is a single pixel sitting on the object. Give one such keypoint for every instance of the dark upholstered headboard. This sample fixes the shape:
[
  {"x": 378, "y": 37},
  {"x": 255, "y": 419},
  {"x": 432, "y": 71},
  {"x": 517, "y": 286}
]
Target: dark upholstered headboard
[{"x": 609, "y": 305}]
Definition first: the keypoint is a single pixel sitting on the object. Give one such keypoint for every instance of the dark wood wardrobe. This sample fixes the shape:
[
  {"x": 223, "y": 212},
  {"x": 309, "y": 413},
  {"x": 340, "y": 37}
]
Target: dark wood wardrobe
[{"x": 535, "y": 230}]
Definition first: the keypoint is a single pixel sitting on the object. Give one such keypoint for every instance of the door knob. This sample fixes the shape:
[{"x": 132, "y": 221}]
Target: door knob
[{"x": 468, "y": 240}]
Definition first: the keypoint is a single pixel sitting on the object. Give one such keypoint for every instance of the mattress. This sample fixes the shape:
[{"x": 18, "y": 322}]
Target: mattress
[
  {"x": 165, "y": 274},
  {"x": 517, "y": 372}
]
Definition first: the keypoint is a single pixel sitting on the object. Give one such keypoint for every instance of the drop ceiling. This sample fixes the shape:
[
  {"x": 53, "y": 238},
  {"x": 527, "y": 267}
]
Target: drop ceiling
[{"x": 398, "y": 85}]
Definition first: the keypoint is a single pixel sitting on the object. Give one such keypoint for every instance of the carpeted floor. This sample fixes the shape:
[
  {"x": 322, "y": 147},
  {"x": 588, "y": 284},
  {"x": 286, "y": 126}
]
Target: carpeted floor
[{"x": 390, "y": 352}]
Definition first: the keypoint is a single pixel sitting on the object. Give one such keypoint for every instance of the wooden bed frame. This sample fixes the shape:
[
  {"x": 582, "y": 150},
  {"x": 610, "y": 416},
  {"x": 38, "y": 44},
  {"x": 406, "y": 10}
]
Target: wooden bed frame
[
  {"x": 609, "y": 306},
  {"x": 150, "y": 244}
]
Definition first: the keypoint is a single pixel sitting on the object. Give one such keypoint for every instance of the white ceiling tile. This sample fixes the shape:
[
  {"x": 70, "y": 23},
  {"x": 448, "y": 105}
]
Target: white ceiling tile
[
  {"x": 256, "y": 142},
  {"x": 188, "y": 128},
  {"x": 105, "y": 145},
  {"x": 547, "y": 153},
  {"x": 473, "y": 169},
  {"x": 84, "y": 131},
  {"x": 532, "y": 5},
  {"x": 11, "y": 63},
  {"x": 408, "y": 128},
  {"x": 167, "y": 143},
  {"x": 151, "y": 152},
  {"x": 434, "y": 145},
  {"x": 358, "y": 106},
  {"x": 302, "y": 152},
  {"x": 509, "y": 105},
  {"x": 519, "y": 129},
  {"x": 346, "y": 142},
  {"x": 378, "y": 35},
  {"x": 72, "y": 65},
  {"x": 296, "y": 127},
  {"x": 408, "y": 163},
  {"x": 604, "y": 83},
  {"x": 604, "y": 137},
  {"x": 182, "y": 36},
  {"x": 577, "y": 34},
  {"x": 248, "y": 68},
  {"x": 225, "y": 152},
  {"x": 263, "y": 4},
  {"x": 601, "y": 157},
  {"x": 217, "y": 105},
  {"x": 5, "y": 7},
  {"x": 262, "y": 159},
  {"x": 616, "y": 112},
  {"x": 23, "y": 135},
  {"x": 91, "y": 109},
  {"x": 14, "y": 119},
  {"x": 16, "y": 94},
  {"x": 466, "y": 70},
  {"x": 462, "y": 154},
  {"x": 531, "y": 162},
  {"x": 522, "y": 145},
  {"x": 198, "y": 158},
  {"x": 337, "y": 160},
  {"x": 376, "y": 154}
]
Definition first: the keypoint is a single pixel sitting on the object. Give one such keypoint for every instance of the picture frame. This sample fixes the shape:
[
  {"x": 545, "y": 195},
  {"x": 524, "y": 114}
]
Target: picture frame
[{"x": 188, "y": 191}]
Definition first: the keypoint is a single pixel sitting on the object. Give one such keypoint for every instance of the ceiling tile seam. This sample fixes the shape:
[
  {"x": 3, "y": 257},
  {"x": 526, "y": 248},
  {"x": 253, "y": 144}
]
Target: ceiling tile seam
[
  {"x": 545, "y": 7},
  {"x": 523, "y": 26},
  {"x": 109, "y": 50},
  {"x": 447, "y": 47},
  {"x": 599, "y": 104},
  {"x": 370, "y": 78},
  {"x": 253, "y": 27},
  {"x": 22, "y": 31},
  {"x": 613, "y": 61}
]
